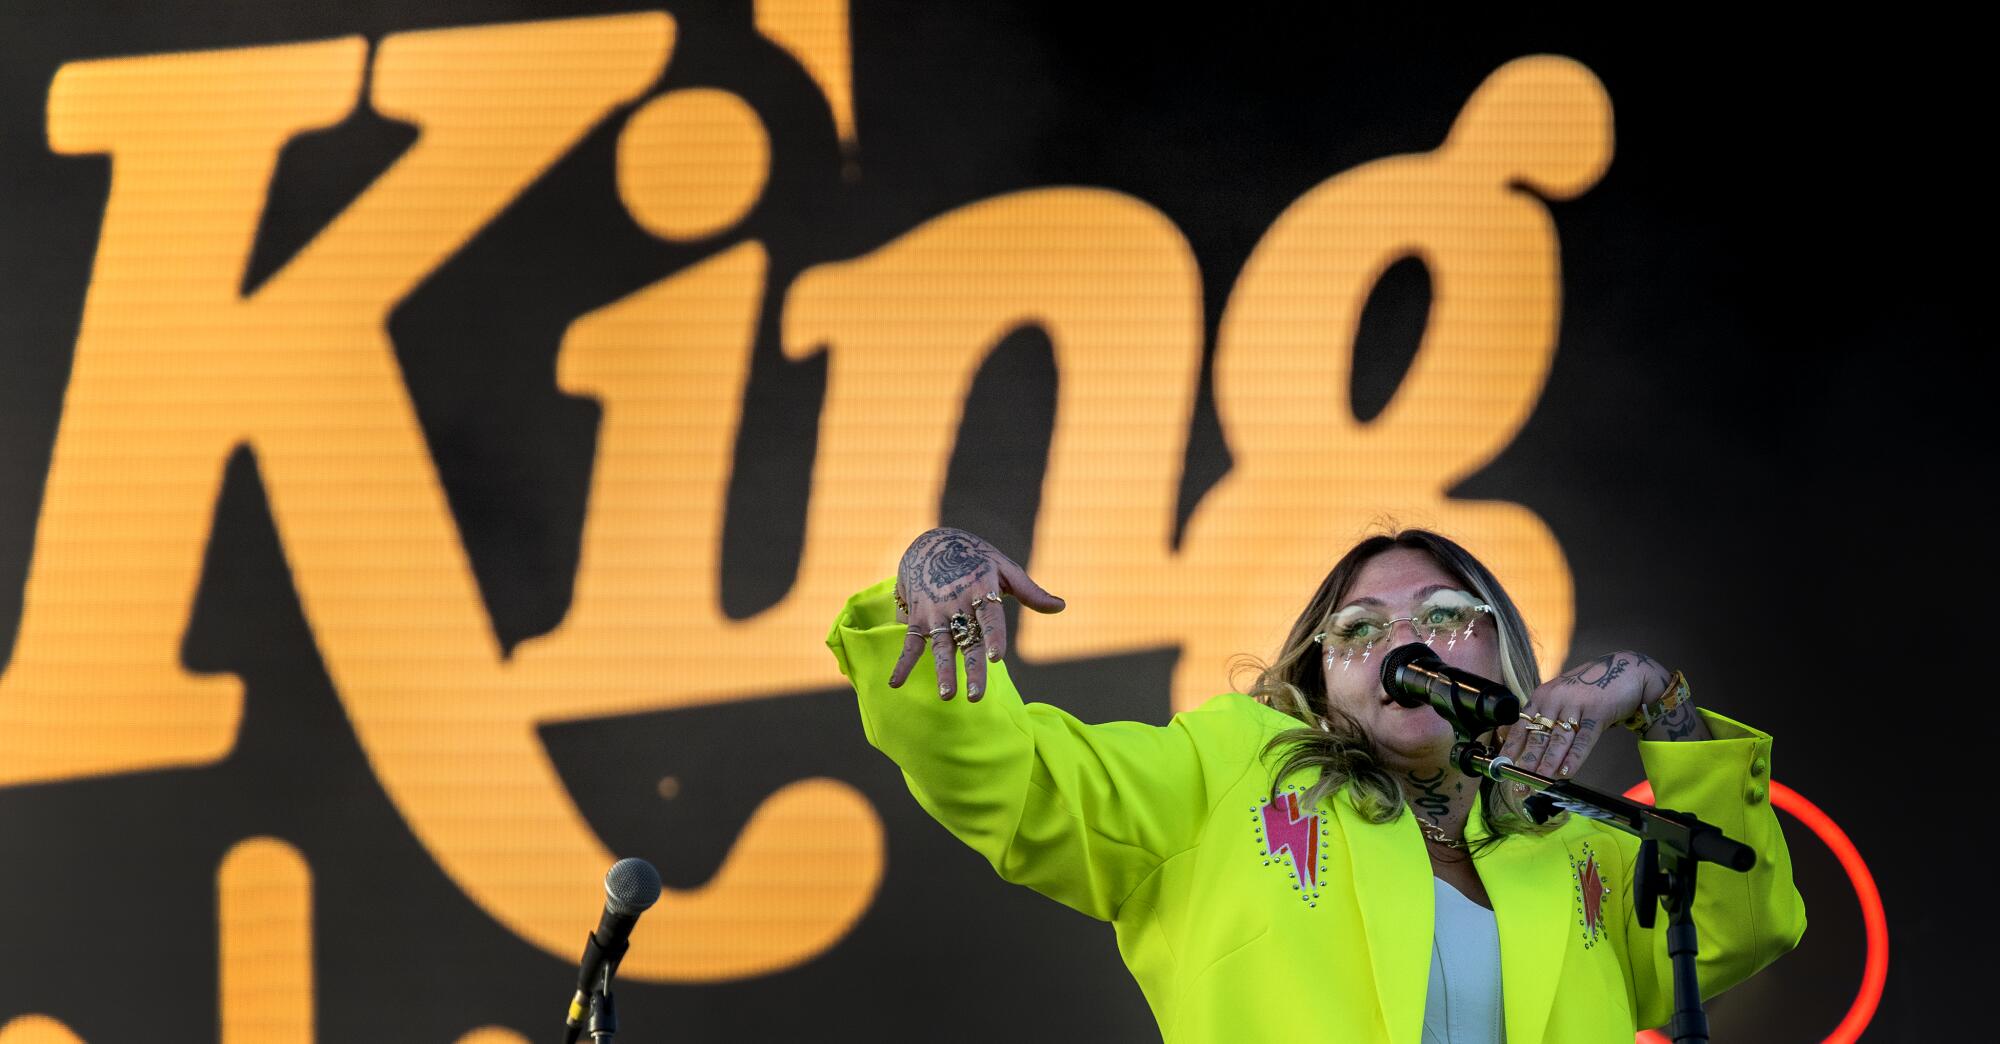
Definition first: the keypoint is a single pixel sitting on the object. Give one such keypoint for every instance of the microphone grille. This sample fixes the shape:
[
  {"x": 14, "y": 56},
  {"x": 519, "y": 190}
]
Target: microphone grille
[
  {"x": 632, "y": 887},
  {"x": 1403, "y": 656},
  {"x": 1415, "y": 654}
]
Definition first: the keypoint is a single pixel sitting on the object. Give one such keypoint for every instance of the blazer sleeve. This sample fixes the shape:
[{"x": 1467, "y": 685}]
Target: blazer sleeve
[
  {"x": 1081, "y": 813},
  {"x": 1745, "y": 920}
]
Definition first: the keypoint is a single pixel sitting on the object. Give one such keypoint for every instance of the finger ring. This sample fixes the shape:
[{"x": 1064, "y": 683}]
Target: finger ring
[
  {"x": 901, "y": 606},
  {"x": 935, "y": 631},
  {"x": 1568, "y": 724},
  {"x": 990, "y": 596},
  {"x": 1545, "y": 722},
  {"x": 964, "y": 630}
]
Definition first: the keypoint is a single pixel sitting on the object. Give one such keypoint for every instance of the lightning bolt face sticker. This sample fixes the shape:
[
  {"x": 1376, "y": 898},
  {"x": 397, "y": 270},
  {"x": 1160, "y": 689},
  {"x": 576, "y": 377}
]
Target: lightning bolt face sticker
[{"x": 1284, "y": 835}]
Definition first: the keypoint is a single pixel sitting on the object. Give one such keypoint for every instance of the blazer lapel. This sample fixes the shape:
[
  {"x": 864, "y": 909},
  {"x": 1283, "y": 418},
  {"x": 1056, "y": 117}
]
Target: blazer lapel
[
  {"x": 1529, "y": 880},
  {"x": 1392, "y": 884}
]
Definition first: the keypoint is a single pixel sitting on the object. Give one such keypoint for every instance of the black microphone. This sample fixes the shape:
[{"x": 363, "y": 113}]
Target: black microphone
[
  {"x": 1413, "y": 676},
  {"x": 630, "y": 889}
]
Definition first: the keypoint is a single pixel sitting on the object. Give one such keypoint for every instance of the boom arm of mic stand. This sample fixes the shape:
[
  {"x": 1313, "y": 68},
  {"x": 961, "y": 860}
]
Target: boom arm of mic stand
[
  {"x": 1672, "y": 845},
  {"x": 1671, "y": 830}
]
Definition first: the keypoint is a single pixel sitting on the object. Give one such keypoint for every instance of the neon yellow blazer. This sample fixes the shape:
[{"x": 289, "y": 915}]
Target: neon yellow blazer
[{"x": 1248, "y": 920}]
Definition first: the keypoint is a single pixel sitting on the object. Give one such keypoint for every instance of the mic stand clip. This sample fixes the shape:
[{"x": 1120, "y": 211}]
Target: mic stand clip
[
  {"x": 603, "y": 1012},
  {"x": 592, "y": 1010}
]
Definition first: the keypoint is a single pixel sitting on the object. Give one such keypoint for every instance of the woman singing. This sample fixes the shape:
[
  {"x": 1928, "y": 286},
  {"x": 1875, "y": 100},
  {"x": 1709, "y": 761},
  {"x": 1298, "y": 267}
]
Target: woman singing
[{"x": 1302, "y": 862}]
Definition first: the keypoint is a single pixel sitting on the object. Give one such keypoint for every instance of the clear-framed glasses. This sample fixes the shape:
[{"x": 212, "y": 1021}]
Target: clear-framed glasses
[{"x": 1358, "y": 630}]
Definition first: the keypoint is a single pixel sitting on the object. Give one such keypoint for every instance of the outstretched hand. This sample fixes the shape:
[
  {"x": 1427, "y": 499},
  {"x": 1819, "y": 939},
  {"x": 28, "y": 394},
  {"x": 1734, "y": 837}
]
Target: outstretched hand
[{"x": 948, "y": 591}]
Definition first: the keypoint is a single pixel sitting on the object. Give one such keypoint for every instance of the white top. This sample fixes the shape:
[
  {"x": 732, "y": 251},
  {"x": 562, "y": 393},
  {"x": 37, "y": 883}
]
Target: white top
[{"x": 1462, "y": 1005}]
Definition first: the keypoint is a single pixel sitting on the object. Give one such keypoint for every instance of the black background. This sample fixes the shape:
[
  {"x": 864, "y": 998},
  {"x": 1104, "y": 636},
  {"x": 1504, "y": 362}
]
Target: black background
[{"x": 1756, "y": 449}]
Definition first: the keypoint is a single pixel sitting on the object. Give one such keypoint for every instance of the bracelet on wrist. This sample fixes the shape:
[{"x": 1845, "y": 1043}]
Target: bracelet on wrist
[{"x": 1649, "y": 714}]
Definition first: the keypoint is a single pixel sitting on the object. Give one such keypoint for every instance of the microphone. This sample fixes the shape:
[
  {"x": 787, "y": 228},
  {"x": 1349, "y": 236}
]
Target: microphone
[
  {"x": 630, "y": 889},
  {"x": 1413, "y": 676}
]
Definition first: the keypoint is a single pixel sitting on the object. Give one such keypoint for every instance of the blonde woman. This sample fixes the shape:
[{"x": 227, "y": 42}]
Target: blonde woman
[{"x": 1301, "y": 862}]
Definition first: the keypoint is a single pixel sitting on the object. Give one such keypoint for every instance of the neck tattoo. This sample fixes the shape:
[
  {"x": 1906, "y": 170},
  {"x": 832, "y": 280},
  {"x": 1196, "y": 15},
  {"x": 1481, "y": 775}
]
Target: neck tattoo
[{"x": 1431, "y": 797}]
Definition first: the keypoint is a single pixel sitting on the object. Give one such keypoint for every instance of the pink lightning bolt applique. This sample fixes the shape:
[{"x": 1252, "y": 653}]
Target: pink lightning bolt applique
[{"x": 1284, "y": 829}]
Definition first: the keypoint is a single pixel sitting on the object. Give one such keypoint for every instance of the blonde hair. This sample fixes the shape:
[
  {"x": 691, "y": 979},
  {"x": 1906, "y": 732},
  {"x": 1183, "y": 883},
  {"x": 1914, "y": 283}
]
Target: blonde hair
[{"x": 1332, "y": 742}]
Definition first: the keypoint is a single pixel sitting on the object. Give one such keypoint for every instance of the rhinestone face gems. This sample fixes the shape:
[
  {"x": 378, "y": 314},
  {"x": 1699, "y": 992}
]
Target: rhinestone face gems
[{"x": 1356, "y": 630}]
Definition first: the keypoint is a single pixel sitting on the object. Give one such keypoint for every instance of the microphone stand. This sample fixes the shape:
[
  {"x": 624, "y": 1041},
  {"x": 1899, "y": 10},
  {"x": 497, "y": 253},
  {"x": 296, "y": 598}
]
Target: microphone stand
[{"x": 1671, "y": 845}]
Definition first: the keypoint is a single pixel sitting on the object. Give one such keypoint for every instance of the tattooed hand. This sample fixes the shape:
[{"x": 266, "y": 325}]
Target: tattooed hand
[
  {"x": 1594, "y": 695},
  {"x": 948, "y": 571}
]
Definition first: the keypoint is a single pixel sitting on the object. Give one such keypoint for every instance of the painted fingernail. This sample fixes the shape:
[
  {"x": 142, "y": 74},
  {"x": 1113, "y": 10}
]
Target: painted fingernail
[
  {"x": 973, "y": 695},
  {"x": 944, "y": 688}
]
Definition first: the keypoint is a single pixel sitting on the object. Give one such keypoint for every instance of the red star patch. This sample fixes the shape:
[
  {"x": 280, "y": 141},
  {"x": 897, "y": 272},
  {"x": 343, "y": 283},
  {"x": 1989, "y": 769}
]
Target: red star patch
[{"x": 1591, "y": 890}]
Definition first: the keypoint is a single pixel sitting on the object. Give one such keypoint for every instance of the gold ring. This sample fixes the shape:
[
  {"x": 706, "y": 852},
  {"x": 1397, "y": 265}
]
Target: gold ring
[
  {"x": 1568, "y": 724},
  {"x": 964, "y": 630}
]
